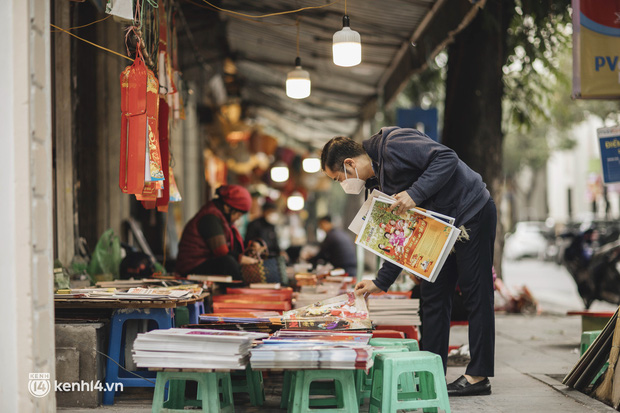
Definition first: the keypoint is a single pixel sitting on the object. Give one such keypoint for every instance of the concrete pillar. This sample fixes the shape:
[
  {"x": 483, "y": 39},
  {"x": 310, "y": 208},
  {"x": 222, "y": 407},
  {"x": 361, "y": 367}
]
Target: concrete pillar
[{"x": 27, "y": 344}]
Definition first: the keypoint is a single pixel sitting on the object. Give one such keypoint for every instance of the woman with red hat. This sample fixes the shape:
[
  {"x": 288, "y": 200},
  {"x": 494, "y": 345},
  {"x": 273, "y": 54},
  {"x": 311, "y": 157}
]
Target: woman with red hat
[{"x": 211, "y": 244}]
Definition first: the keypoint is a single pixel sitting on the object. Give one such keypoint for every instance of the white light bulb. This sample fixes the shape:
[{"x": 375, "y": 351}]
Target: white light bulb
[
  {"x": 295, "y": 202},
  {"x": 279, "y": 174},
  {"x": 298, "y": 82},
  {"x": 347, "y": 46},
  {"x": 311, "y": 165}
]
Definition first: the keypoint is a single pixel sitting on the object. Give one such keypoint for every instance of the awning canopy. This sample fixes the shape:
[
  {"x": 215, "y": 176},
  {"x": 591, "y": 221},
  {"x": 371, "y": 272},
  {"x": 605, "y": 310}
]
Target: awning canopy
[{"x": 399, "y": 38}]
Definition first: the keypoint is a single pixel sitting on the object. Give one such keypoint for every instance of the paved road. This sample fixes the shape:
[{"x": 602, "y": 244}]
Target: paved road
[{"x": 550, "y": 284}]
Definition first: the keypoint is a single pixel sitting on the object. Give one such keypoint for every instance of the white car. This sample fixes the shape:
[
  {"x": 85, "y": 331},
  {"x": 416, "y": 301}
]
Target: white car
[{"x": 528, "y": 240}]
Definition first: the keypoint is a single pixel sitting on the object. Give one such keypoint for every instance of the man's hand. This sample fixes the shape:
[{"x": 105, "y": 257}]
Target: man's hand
[
  {"x": 245, "y": 260},
  {"x": 403, "y": 203},
  {"x": 366, "y": 287}
]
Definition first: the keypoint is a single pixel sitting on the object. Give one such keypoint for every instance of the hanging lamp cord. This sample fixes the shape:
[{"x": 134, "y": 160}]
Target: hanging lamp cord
[{"x": 297, "y": 23}]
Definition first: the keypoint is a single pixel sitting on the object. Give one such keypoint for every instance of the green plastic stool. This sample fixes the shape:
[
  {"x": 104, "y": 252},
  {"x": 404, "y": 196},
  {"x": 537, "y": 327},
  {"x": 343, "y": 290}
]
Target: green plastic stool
[
  {"x": 181, "y": 316},
  {"x": 587, "y": 338},
  {"x": 318, "y": 388},
  {"x": 411, "y": 343},
  {"x": 250, "y": 382},
  {"x": 432, "y": 393},
  {"x": 363, "y": 381},
  {"x": 210, "y": 385},
  {"x": 345, "y": 397}
]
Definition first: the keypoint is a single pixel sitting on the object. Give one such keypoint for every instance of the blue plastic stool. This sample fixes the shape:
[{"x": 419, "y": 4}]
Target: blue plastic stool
[
  {"x": 195, "y": 310},
  {"x": 164, "y": 319}
]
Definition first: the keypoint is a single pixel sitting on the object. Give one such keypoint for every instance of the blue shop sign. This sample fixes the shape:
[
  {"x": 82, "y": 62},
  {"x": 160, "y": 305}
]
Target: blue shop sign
[{"x": 609, "y": 141}]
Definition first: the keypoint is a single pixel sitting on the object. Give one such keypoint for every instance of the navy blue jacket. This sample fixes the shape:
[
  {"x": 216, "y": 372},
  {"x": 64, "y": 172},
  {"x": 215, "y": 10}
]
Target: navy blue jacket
[
  {"x": 338, "y": 249},
  {"x": 431, "y": 173}
]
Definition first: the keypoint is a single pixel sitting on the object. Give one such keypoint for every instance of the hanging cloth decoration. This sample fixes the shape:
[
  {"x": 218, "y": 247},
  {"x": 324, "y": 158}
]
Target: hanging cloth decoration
[
  {"x": 162, "y": 202},
  {"x": 133, "y": 126},
  {"x": 140, "y": 161},
  {"x": 175, "y": 195},
  {"x": 154, "y": 174}
]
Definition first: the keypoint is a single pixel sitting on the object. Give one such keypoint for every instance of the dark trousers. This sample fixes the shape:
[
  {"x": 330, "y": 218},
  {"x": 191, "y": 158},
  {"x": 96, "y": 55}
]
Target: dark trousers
[{"x": 471, "y": 266}]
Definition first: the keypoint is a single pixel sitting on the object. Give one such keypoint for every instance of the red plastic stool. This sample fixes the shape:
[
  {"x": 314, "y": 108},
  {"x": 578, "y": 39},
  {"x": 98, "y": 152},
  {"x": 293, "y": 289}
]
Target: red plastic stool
[
  {"x": 388, "y": 334},
  {"x": 409, "y": 331}
]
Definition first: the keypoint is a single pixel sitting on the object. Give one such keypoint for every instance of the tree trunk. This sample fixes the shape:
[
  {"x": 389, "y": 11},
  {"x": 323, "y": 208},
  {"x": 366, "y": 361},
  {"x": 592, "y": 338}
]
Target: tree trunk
[{"x": 474, "y": 90}]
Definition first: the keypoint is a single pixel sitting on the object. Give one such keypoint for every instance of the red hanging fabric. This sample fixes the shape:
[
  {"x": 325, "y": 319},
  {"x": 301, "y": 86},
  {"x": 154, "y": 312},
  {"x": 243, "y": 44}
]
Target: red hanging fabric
[{"x": 133, "y": 126}]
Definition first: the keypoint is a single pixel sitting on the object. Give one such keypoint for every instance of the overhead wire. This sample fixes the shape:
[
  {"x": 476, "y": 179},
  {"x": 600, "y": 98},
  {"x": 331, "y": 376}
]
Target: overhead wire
[
  {"x": 280, "y": 13},
  {"x": 91, "y": 43},
  {"x": 88, "y": 24}
]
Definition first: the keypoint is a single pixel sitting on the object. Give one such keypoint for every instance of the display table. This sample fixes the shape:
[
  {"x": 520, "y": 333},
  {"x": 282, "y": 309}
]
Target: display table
[
  {"x": 592, "y": 320},
  {"x": 159, "y": 311}
]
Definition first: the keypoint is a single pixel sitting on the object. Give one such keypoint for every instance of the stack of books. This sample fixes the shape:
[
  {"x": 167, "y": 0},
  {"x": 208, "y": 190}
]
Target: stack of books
[
  {"x": 310, "y": 294},
  {"x": 313, "y": 350},
  {"x": 194, "y": 348},
  {"x": 343, "y": 312},
  {"x": 265, "y": 300},
  {"x": 395, "y": 310}
]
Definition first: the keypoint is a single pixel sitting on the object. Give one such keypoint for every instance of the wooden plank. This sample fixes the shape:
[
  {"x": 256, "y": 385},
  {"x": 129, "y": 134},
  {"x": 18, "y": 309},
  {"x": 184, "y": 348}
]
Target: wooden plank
[
  {"x": 593, "y": 359},
  {"x": 77, "y": 304},
  {"x": 65, "y": 221}
]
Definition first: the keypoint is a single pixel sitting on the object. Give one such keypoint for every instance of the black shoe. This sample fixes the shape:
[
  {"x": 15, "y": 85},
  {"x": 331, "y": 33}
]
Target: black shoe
[{"x": 461, "y": 387}]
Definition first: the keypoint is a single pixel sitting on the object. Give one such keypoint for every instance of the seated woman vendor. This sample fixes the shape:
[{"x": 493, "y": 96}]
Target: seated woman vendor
[{"x": 211, "y": 244}]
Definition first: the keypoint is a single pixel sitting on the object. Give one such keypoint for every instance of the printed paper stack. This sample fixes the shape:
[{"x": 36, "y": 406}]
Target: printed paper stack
[
  {"x": 343, "y": 312},
  {"x": 267, "y": 301},
  {"x": 418, "y": 241},
  {"x": 394, "y": 310},
  {"x": 194, "y": 348},
  {"x": 313, "y": 350},
  {"x": 310, "y": 294}
]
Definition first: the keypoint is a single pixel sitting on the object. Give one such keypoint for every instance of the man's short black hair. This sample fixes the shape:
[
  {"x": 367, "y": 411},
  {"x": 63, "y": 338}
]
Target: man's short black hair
[
  {"x": 337, "y": 150},
  {"x": 269, "y": 206},
  {"x": 325, "y": 218}
]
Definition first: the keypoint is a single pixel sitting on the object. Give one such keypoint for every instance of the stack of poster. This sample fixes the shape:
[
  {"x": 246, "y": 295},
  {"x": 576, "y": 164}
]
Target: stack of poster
[
  {"x": 310, "y": 294},
  {"x": 394, "y": 310},
  {"x": 418, "y": 241},
  {"x": 194, "y": 348},
  {"x": 313, "y": 350},
  {"x": 343, "y": 312}
]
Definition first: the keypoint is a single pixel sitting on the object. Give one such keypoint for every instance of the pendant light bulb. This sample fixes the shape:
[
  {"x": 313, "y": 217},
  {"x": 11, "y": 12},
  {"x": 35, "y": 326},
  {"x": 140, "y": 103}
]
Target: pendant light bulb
[
  {"x": 298, "y": 82},
  {"x": 347, "y": 46},
  {"x": 295, "y": 202}
]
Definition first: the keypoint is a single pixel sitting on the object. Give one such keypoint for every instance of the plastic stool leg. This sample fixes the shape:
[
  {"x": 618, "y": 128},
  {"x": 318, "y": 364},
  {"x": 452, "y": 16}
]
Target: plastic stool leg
[
  {"x": 286, "y": 388},
  {"x": 176, "y": 395}
]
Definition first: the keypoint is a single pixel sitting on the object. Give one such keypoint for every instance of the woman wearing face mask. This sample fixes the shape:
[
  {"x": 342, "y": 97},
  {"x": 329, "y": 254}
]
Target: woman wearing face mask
[
  {"x": 211, "y": 243},
  {"x": 418, "y": 171},
  {"x": 265, "y": 228}
]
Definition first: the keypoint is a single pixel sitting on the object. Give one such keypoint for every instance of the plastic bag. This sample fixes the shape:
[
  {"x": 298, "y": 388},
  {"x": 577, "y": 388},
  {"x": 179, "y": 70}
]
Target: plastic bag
[{"x": 107, "y": 256}]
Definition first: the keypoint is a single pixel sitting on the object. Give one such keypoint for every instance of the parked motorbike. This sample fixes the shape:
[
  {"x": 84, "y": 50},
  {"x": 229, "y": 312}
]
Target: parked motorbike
[{"x": 592, "y": 258}]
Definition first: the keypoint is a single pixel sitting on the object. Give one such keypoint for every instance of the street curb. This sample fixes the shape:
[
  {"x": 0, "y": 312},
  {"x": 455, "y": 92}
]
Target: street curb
[{"x": 593, "y": 404}]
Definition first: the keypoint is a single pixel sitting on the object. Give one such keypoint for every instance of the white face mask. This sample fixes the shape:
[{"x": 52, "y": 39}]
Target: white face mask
[{"x": 352, "y": 186}]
